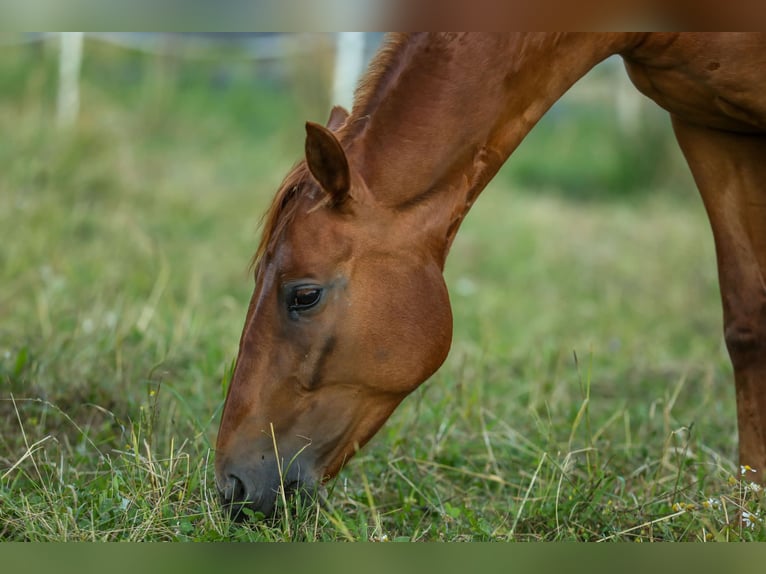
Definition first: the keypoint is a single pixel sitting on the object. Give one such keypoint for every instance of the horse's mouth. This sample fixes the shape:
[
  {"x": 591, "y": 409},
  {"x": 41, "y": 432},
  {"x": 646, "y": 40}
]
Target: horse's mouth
[{"x": 268, "y": 507}]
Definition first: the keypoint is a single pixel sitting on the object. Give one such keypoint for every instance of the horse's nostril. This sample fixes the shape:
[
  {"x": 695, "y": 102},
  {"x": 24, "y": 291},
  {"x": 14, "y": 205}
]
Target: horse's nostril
[
  {"x": 233, "y": 490},
  {"x": 234, "y": 496},
  {"x": 237, "y": 490}
]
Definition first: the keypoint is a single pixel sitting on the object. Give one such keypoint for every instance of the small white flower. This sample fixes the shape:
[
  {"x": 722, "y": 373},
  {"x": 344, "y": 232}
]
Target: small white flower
[
  {"x": 745, "y": 468},
  {"x": 753, "y": 487},
  {"x": 712, "y": 503},
  {"x": 749, "y": 520}
]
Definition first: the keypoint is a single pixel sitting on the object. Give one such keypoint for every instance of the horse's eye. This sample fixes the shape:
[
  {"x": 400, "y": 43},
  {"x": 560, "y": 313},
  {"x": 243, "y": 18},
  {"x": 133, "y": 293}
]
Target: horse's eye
[{"x": 302, "y": 298}]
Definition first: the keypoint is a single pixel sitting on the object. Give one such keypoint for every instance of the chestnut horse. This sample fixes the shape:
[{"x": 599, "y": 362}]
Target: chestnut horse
[{"x": 350, "y": 312}]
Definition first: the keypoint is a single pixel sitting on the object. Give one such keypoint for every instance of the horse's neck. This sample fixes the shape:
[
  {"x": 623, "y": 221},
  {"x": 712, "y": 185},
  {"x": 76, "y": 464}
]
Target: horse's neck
[{"x": 441, "y": 112}]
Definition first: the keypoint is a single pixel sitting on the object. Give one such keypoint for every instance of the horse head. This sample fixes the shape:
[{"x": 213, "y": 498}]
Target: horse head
[{"x": 349, "y": 315}]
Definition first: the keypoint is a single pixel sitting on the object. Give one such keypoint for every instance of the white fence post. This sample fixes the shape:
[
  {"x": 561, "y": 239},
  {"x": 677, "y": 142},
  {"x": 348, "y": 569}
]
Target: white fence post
[
  {"x": 349, "y": 61},
  {"x": 70, "y": 58}
]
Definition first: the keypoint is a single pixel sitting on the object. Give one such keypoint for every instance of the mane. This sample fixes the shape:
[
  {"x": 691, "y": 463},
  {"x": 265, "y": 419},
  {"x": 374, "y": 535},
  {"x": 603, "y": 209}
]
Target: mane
[
  {"x": 383, "y": 70},
  {"x": 281, "y": 211}
]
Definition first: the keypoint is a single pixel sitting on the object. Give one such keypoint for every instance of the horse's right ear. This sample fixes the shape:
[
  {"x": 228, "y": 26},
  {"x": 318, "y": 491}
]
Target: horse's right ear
[
  {"x": 338, "y": 116},
  {"x": 327, "y": 162}
]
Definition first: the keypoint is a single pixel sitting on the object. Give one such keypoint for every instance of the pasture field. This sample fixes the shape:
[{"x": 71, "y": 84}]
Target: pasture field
[{"x": 587, "y": 396}]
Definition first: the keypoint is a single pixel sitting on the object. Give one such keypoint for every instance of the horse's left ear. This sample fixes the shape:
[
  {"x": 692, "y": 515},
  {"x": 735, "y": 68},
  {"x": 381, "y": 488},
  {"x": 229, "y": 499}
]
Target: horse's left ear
[{"x": 327, "y": 162}]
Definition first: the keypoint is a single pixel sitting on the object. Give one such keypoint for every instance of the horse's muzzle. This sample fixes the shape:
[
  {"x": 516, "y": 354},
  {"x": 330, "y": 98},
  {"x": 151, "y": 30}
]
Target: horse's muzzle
[
  {"x": 244, "y": 492},
  {"x": 241, "y": 497}
]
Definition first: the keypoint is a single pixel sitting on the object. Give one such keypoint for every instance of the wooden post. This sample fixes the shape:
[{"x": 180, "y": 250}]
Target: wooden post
[
  {"x": 70, "y": 58},
  {"x": 349, "y": 61}
]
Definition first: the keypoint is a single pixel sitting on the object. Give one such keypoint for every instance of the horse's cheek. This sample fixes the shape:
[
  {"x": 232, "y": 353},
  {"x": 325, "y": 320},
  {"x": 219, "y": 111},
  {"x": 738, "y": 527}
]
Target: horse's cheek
[{"x": 414, "y": 332}]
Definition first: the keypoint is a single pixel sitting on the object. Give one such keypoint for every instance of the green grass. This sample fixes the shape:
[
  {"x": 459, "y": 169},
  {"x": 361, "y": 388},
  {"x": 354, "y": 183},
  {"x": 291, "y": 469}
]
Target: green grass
[{"x": 587, "y": 396}]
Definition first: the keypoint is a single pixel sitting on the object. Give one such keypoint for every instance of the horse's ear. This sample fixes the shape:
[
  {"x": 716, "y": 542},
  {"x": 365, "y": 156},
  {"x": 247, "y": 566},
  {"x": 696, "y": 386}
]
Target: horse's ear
[
  {"x": 337, "y": 118},
  {"x": 327, "y": 162}
]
